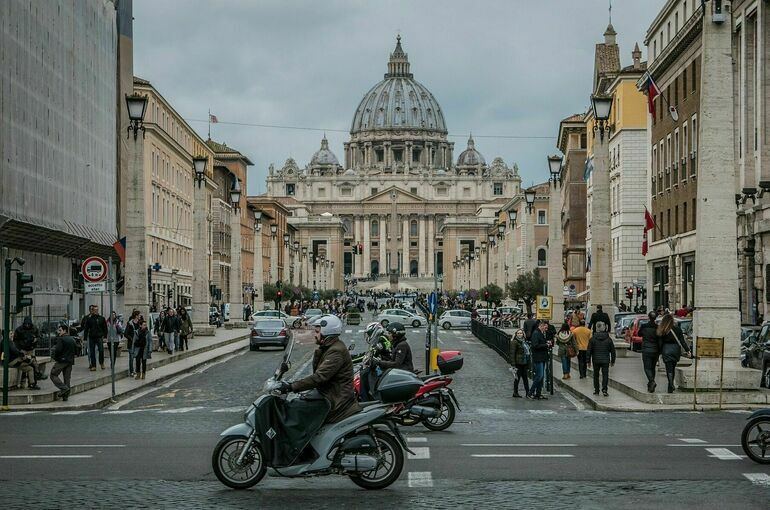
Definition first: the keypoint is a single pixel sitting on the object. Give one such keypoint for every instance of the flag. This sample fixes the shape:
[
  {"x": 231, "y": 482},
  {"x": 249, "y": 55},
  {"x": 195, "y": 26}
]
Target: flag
[
  {"x": 652, "y": 92},
  {"x": 649, "y": 224},
  {"x": 120, "y": 247},
  {"x": 213, "y": 119}
]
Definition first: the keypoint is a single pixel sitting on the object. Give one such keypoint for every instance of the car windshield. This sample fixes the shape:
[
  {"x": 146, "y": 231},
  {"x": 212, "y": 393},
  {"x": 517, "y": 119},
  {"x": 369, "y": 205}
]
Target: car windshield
[
  {"x": 269, "y": 324},
  {"x": 686, "y": 327},
  {"x": 313, "y": 311}
]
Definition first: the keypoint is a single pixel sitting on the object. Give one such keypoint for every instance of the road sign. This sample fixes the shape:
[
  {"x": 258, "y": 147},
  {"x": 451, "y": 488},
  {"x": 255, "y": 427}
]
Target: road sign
[
  {"x": 94, "y": 269},
  {"x": 91, "y": 287},
  {"x": 461, "y": 295},
  {"x": 156, "y": 267},
  {"x": 544, "y": 309},
  {"x": 432, "y": 302},
  {"x": 709, "y": 347}
]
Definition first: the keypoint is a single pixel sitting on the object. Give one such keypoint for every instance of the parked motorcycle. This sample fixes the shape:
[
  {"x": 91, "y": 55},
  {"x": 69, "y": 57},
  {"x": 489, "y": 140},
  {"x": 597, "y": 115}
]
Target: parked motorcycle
[
  {"x": 289, "y": 436},
  {"x": 755, "y": 438}
]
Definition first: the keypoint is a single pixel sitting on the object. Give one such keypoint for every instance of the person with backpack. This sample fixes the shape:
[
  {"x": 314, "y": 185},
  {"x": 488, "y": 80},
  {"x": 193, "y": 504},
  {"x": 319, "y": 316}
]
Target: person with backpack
[
  {"x": 565, "y": 341},
  {"x": 520, "y": 357},
  {"x": 601, "y": 352}
]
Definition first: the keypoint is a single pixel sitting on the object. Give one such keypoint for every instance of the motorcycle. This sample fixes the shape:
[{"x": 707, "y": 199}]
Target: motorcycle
[
  {"x": 289, "y": 437},
  {"x": 755, "y": 438}
]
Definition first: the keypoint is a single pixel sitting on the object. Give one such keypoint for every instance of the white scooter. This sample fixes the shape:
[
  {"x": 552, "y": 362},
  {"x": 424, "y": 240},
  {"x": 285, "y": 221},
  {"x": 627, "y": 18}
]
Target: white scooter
[{"x": 289, "y": 437}]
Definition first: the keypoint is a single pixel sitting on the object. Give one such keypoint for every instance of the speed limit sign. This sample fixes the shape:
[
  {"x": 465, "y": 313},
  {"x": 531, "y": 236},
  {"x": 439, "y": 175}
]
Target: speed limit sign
[{"x": 94, "y": 269}]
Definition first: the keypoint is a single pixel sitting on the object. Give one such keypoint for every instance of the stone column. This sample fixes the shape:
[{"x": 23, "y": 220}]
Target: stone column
[
  {"x": 383, "y": 222},
  {"x": 600, "y": 281},
  {"x": 200, "y": 276},
  {"x": 421, "y": 262},
  {"x": 716, "y": 262},
  {"x": 555, "y": 274},
  {"x": 405, "y": 246},
  {"x": 431, "y": 246},
  {"x": 136, "y": 291},
  {"x": 366, "y": 269},
  {"x": 274, "y": 258},
  {"x": 259, "y": 277},
  {"x": 408, "y": 155},
  {"x": 236, "y": 283},
  {"x": 356, "y": 239}
]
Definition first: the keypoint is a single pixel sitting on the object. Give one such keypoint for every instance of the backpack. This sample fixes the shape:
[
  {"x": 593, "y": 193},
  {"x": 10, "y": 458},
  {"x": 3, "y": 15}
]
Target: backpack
[{"x": 527, "y": 352}]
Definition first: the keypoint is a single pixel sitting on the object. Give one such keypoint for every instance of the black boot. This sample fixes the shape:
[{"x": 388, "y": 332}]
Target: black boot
[{"x": 516, "y": 394}]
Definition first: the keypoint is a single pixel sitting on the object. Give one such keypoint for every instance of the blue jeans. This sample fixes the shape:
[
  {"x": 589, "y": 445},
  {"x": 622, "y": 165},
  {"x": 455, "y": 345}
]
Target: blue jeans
[
  {"x": 93, "y": 345},
  {"x": 537, "y": 381},
  {"x": 565, "y": 365}
]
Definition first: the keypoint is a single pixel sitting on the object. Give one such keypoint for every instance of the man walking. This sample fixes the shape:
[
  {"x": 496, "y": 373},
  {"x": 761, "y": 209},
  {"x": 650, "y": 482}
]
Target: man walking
[
  {"x": 601, "y": 352},
  {"x": 599, "y": 316},
  {"x": 171, "y": 327},
  {"x": 95, "y": 330},
  {"x": 539, "y": 358},
  {"x": 582, "y": 336},
  {"x": 64, "y": 358}
]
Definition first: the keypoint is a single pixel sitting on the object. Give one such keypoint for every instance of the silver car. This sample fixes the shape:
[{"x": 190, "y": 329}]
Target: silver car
[
  {"x": 404, "y": 317},
  {"x": 455, "y": 319},
  {"x": 269, "y": 332}
]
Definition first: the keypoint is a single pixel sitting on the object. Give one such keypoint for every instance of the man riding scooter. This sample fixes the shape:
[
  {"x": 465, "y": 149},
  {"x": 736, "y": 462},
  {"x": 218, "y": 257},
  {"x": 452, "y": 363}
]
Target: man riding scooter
[
  {"x": 332, "y": 371},
  {"x": 401, "y": 357}
]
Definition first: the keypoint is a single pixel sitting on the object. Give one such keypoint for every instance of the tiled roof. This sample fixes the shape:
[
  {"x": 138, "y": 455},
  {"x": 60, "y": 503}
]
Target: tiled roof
[
  {"x": 141, "y": 81},
  {"x": 225, "y": 152},
  {"x": 577, "y": 117}
]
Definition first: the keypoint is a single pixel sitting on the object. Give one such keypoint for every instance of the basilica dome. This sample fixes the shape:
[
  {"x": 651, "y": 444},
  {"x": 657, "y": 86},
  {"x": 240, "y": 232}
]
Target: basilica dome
[
  {"x": 398, "y": 102},
  {"x": 324, "y": 156},
  {"x": 470, "y": 156}
]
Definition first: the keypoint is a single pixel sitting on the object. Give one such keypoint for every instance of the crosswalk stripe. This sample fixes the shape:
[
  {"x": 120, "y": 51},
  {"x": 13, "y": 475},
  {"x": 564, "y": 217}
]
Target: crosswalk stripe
[
  {"x": 420, "y": 479},
  {"x": 229, "y": 410},
  {"x": 348, "y": 331},
  {"x": 691, "y": 440},
  {"x": 541, "y": 411},
  {"x": 413, "y": 439},
  {"x": 521, "y": 455},
  {"x": 127, "y": 411},
  {"x": 180, "y": 410},
  {"x": 761, "y": 479},
  {"x": 722, "y": 454},
  {"x": 420, "y": 453},
  {"x": 73, "y": 412},
  {"x": 18, "y": 413}
]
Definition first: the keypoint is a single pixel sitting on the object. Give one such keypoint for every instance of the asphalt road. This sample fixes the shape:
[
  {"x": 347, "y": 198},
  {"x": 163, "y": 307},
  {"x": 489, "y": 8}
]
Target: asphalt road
[{"x": 154, "y": 450}]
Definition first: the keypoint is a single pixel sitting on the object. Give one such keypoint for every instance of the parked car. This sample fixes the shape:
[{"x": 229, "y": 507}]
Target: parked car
[
  {"x": 404, "y": 317},
  {"x": 631, "y": 332},
  {"x": 215, "y": 318},
  {"x": 455, "y": 319},
  {"x": 759, "y": 357},
  {"x": 310, "y": 313},
  {"x": 624, "y": 323},
  {"x": 269, "y": 332}
]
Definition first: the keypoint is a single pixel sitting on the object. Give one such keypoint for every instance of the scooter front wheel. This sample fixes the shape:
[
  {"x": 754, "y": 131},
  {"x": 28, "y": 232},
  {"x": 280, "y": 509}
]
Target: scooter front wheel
[
  {"x": 225, "y": 463},
  {"x": 390, "y": 463},
  {"x": 755, "y": 439},
  {"x": 445, "y": 418}
]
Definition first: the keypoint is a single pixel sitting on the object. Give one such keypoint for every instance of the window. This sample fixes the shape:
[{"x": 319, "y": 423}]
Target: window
[
  {"x": 541, "y": 257},
  {"x": 374, "y": 228},
  {"x": 694, "y": 76},
  {"x": 676, "y": 91},
  {"x": 583, "y": 141},
  {"x": 398, "y": 155},
  {"x": 346, "y": 191},
  {"x": 321, "y": 192},
  {"x": 497, "y": 188},
  {"x": 441, "y": 191},
  {"x": 675, "y": 164},
  {"x": 413, "y": 228},
  {"x": 374, "y": 191},
  {"x": 694, "y": 217},
  {"x": 684, "y": 217},
  {"x": 684, "y": 151},
  {"x": 541, "y": 219},
  {"x": 684, "y": 85},
  {"x": 466, "y": 192},
  {"x": 380, "y": 155},
  {"x": 676, "y": 219},
  {"x": 415, "y": 155},
  {"x": 413, "y": 191},
  {"x": 290, "y": 189}
]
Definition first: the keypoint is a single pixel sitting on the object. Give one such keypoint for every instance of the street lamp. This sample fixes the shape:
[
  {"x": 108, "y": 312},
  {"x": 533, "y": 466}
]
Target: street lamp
[
  {"x": 257, "y": 220},
  {"x": 554, "y": 166},
  {"x": 501, "y": 230},
  {"x": 483, "y": 246},
  {"x": 477, "y": 251},
  {"x": 602, "y": 106},
  {"x": 512, "y": 216},
  {"x": 199, "y": 165},
  {"x": 136, "y": 104},
  {"x": 304, "y": 251},
  {"x": 529, "y": 196},
  {"x": 296, "y": 246},
  {"x": 286, "y": 238},
  {"x": 273, "y": 229},
  {"x": 491, "y": 239},
  {"x": 235, "y": 193}
]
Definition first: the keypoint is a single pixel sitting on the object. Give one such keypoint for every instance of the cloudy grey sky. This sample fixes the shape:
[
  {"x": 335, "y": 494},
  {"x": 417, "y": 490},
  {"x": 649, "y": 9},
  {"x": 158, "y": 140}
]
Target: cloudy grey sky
[{"x": 497, "y": 67}]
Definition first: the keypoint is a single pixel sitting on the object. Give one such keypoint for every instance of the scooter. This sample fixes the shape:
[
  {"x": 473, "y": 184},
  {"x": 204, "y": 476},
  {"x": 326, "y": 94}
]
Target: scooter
[
  {"x": 289, "y": 436},
  {"x": 755, "y": 438}
]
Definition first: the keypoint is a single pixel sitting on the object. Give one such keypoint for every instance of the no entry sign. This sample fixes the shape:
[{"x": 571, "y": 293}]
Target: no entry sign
[{"x": 94, "y": 269}]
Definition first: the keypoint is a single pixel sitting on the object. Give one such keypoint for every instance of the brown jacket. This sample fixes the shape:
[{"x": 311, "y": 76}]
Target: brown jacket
[{"x": 333, "y": 377}]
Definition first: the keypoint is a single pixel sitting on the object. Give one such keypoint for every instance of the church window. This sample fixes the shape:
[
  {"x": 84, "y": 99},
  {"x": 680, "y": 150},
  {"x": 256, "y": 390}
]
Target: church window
[
  {"x": 413, "y": 191},
  {"x": 541, "y": 258},
  {"x": 497, "y": 188},
  {"x": 290, "y": 189},
  {"x": 415, "y": 155},
  {"x": 380, "y": 155},
  {"x": 346, "y": 192},
  {"x": 374, "y": 191},
  {"x": 375, "y": 228},
  {"x": 413, "y": 228},
  {"x": 441, "y": 191},
  {"x": 398, "y": 155}
]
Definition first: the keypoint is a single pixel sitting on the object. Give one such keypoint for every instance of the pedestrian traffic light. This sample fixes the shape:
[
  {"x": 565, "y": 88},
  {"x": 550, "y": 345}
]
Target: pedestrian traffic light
[
  {"x": 279, "y": 295},
  {"x": 168, "y": 295},
  {"x": 22, "y": 289},
  {"x": 638, "y": 291}
]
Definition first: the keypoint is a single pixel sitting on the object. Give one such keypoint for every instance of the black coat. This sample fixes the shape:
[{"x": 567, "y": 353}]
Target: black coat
[
  {"x": 599, "y": 317},
  {"x": 601, "y": 349},
  {"x": 529, "y": 327},
  {"x": 539, "y": 347},
  {"x": 650, "y": 340},
  {"x": 64, "y": 350},
  {"x": 94, "y": 326},
  {"x": 672, "y": 345},
  {"x": 25, "y": 338},
  {"x": 401, "y": 357}
]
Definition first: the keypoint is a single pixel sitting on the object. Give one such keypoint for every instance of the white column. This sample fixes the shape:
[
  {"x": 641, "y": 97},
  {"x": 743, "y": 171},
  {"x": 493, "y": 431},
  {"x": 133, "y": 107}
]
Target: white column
[
  {"x": 431, "y": 245},
  {"x": 200, "y": 277},
  {"x": 236, "y": 282},
  {"x": 259, "y": 276},
  {"x": 356, "y": 239},
  {"x": 555, "y": 273},
  {"x": 383, "y": 222},
  {"x": 274, "y": 258},
  {"x": 405, "y": 246},
  {"x": 136, "y": 292},
  {"x": 367, "y": 262},
  {"x": 422, "y": 269},
  {"x": 601, "y": 262}
]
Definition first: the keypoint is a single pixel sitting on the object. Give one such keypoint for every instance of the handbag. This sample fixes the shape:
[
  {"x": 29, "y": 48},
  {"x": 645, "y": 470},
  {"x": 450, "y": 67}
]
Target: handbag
[{"x": 571, "y": 353}]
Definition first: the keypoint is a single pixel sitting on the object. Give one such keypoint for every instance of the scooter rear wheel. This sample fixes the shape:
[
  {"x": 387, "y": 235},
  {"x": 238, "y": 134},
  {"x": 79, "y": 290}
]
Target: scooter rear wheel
[
  {"x": 445, "y": 418},
  {"x": 389, "y": 466},
  {"x": 755, "y": 440},
  {"x": 224, "y": 462}
]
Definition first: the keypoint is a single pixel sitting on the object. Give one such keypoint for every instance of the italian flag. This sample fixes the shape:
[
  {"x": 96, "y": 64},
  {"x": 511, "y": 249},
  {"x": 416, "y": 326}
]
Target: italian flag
[{"x": 649, "y": 224}]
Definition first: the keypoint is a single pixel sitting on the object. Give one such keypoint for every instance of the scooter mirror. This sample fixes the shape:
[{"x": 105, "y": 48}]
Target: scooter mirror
[{"x": 352, "y": 347}]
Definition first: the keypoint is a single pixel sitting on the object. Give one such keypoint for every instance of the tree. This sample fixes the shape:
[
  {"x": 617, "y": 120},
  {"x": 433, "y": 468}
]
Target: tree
[
  {"x": 495, "y": 293},
  {"x": 526, "y": 288},
  {"x": 269, "y": 292}
]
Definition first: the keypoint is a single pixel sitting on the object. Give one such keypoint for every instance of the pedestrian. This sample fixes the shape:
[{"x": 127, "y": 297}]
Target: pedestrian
[
  {"x": 672, "y": 345},
  {"x": 601, "y": 353},
  {"x": 129, "y": 333},
  {"x": 599, "y": 316},
  {"x": 140, "y": 346},
  {"x": 114, "y": 332},
  {"x": 25, "y": 337},
  {"x": 23, "y": 362},
  {"x": 650, "y": 349},
  {"x": 186, "y": 329},
  {"x": 539, "y": 346},
  {"x": 95, "y": 331},
  {"x": 520, "y": 357},
  {"x": 64, "y": 358},
  {"x": 171, "y": 327},
  {"x": 567, "y": 345},
  {"x": 582, "y": 335},
  {"x": 158, "y": 327}
]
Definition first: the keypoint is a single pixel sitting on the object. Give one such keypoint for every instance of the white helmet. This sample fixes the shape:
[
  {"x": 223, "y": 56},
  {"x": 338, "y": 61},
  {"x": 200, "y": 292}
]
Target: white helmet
[
  {"x": 330, "y": 325},
  {"x": 373, "y": 332}
]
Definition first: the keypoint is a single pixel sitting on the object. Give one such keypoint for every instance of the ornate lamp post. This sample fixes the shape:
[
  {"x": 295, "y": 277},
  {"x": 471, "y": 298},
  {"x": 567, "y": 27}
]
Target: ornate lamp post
[
  {"x": 258, "y": 259},
  {"x": 555, "y": 266},
  {"x": 273, "y": 253},
  {"x": 236, "y": 282}
]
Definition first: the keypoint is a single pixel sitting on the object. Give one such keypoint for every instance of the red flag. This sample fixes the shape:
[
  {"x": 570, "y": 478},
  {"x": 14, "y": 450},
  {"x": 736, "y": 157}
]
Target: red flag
[
  {"x": 120, "y": 248},
  {"x": 652, "y": 92},
  {"x": 649, "y": 224}
]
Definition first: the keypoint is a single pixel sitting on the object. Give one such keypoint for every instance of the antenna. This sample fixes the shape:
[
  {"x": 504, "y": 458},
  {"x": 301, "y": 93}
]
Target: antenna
[{"x": 610, "y": 1}]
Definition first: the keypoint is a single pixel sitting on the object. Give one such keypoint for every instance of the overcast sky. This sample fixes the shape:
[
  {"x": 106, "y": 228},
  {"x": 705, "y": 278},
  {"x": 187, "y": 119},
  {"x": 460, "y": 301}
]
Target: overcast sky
[{"x": 496, "y": 67}]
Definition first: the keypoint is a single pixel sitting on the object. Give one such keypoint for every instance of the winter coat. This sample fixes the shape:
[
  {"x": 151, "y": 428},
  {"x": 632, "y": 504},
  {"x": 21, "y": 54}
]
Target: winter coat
[
  {"x": 172, "y": 324},
  {"x": 94, "y": 326},
  {"x": 141, "y": 342},
  {"x": 64, "y": 350},
  {"x": 516, "y": 351},
  {"x": 650, "y": 341},
  {"x": 539, "y": 347},
  {"x": 582, "y": 335},
  {"x": 333, "y": 377},
  {"x": 25, "y": 338},
  {"x": 130, "y": 334},
  {"x": 401, "y": 357},
  {"x": 114, "y": 331},
  {"x": 672, "y": 345},
  {"x": 187, "y": 327},
  {"x": 599, "y": 317},
  {"x": 530, "y": 325},
  {"x": 601, "y": 349},
  {"x": 563, "y": 340}
]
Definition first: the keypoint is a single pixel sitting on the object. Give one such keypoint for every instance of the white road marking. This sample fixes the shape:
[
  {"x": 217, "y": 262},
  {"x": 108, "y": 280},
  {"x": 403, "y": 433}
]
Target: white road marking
[
  {"x": 722, "y": 454},
  {"x": 230, "y": 410},
  {"x": 692, "y": 441},
  {"x": 522, "y": 455},
  {"x": 78, "y": 446},
  {"x": 18, "y": 413},
  {"x": 572, "y": 400},
  {"x": 412, "y": 439},
  {"x": 520, "y": 445},
  {"x": 541, "y": 411},
  {"x": 761, "y": 479},
  {"x": 456, "y": 333},
  {"x": 490, "y": 411},
  {"x": 180, "y": 410},
  {"x": 348, "y": 331},
  {"x": 700, "y": 445},
  {"x": 738, "y": 411},
  {"x": 73, "y": 412},
  {"x": 128, "y": 411},
  {"x": 597, "y": 413},
  {"x": 420, "y": 453},
  {"x": 420, "y": 479},
  {"x": 467, "y": 342},
  {"x": 46, "y": 456}
]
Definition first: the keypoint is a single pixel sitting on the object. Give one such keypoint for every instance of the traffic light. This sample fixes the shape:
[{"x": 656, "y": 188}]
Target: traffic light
[
  {"x": 168, "y": 295},
  {"x": 629, "y": 292},
  {"x": 22, "y": 289},
  {"x": 355, "y": 249},
  {"x": 279, "y": 295},
  {"x": 638, "y": 291}
]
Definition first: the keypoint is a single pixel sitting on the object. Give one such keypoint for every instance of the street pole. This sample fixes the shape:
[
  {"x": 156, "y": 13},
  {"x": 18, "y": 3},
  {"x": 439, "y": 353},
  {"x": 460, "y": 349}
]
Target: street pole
[
  {"x": 434, "y": 343},
  {"x": 6, "y": 326},
  {"x": 113, "y": 348}
]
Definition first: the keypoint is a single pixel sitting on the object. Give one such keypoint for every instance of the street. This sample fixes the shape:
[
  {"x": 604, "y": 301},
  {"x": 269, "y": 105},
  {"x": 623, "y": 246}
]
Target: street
[{"x": 500, "y": 451}]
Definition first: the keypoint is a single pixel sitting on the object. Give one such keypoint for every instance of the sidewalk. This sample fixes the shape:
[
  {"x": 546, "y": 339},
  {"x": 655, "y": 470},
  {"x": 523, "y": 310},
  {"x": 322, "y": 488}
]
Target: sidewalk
[
  {"x": 628, "y": 390},
  {"x": 94, "y": 389}
]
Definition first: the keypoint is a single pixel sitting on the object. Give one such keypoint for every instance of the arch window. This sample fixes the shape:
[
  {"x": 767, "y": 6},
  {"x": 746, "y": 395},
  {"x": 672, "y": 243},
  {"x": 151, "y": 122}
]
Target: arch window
[{"x": 541, "y": 257}]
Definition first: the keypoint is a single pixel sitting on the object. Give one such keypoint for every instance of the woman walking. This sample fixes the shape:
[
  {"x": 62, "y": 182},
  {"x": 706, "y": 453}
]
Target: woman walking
[
  {"x": 565, "y": 340},
  {"x": 140, "y": 346},
  {"x": 114, "y": 332},
  {"x": 672, "y": 345},
  {"x": 520, "y": 356},
  {"x": 132, "y": 329},
  {"x": 186, "y": 329}
]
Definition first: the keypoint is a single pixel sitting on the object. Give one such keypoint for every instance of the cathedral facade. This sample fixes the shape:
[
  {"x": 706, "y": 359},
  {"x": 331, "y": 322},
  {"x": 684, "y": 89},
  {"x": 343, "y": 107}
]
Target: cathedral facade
[{"x": 398, "y": 203}]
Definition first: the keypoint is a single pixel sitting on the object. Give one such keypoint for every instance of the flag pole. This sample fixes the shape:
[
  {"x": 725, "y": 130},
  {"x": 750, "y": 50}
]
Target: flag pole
[{"x": 209, "y": 123}]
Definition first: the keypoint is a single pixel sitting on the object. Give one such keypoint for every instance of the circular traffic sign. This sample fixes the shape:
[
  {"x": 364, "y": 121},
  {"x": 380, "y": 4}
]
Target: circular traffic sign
[{"x": 94, "y": 269}]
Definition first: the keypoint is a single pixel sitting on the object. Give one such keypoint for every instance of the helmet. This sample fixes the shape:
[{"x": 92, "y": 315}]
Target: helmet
[
  {"x": 396, "y": 330},
  {"x": 373, "y": 331},
  {"x": 330, "y": 325}
]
